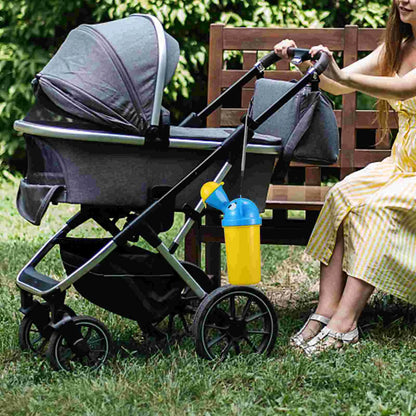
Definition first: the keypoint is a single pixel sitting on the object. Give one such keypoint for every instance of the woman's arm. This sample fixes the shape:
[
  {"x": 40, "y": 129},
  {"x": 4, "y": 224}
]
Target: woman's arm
[
  {"x": 369, "y": 81},
  {"x": 394, "y": 88},
  {"x": 365, "y": 66}
]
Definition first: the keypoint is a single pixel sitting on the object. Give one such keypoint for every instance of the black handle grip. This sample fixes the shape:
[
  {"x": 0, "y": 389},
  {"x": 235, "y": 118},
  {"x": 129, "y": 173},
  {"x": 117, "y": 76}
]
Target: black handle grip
[
  {"x": 269, "y": 59},
  {"x": 322, "y": 59},
  {"x": 322, "y": 63},
  {"x": 299, "y": 53}
]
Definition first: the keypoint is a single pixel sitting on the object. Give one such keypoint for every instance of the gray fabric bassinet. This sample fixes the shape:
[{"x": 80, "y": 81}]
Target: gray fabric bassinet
[{"x": 110, "y": 169}]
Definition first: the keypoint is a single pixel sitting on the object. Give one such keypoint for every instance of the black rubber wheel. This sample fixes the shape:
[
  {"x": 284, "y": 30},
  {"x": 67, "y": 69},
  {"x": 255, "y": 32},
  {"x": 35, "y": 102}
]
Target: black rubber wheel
[
  {"x": 35, "y": 338},
  {"x": 234, "y": 320},
  {"x": 97, "y": 337}
]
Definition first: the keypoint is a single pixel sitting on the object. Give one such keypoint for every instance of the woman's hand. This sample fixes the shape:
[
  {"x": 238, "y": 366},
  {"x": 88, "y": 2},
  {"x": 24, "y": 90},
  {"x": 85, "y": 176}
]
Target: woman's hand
[
  {"x": 280, "y": 49},
  {"x": 333, "y": 71}
]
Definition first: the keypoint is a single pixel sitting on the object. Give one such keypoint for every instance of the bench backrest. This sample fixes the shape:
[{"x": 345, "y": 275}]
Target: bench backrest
[{"x": 350, "y": 40}]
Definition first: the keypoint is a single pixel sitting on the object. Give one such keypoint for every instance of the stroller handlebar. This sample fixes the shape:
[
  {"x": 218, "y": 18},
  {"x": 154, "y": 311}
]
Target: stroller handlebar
[
  {"x": 299, "y": 55},
  {"x": 269, "y": 59}
]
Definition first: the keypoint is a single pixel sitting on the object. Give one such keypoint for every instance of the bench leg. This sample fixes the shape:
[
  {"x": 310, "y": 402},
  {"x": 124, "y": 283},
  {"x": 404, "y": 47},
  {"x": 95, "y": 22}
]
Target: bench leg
[
  {"x": 213, "y": 251},
  {"x": 193, "y": 245}
]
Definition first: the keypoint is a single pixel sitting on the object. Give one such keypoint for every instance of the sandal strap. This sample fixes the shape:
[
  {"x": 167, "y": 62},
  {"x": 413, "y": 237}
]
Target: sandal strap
[
  {"x": 323, "y": 333},
  {"x": 320, "y": 318},
  {"x": 313, "y": 317},
  {"x": 346, "y": 337}
]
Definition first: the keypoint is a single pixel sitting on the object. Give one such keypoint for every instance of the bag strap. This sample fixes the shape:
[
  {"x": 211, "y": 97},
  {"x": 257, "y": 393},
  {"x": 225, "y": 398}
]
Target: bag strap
[
  {"x": 249, "y": 114},
  {"x": 301, "y": 128}
]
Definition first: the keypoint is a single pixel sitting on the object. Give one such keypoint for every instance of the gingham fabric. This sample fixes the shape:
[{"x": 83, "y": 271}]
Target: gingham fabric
[{"x": 377, "y": 206}]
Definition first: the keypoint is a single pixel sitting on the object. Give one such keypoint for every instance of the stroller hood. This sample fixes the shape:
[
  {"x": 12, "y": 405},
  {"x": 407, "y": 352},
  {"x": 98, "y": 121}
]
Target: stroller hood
[{"x": 114, "y": 73}]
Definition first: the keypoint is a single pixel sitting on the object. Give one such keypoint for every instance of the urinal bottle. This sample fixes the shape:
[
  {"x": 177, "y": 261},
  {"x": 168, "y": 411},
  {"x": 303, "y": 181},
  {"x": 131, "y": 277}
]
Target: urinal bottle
[{"x": 241, "y": 223}]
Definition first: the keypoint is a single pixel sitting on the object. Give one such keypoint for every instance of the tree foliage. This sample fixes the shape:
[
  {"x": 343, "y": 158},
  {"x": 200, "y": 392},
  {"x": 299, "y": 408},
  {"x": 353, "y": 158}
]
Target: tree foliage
[{"x": 32, "y": 30}]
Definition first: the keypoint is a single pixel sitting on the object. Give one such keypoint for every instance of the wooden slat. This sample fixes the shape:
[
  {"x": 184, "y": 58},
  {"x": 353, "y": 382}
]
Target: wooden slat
[
  {"x": 249, "y": 59},
  {"x": 296, "y": 197},
  {"x": 369, "y": 39},
  {"x": 363, "y": 157},
  {"x": 349, "y": 105},
  {"x": 242, "y": 38},
  {"x": 283, "y": 65},
  {"x": 228, "y": 77},
  {"x": 338, "y": 116},
  {"x": 305, "y": 165},
  {"x": 313, "y": 175},
  {"x": 214, "y": 70},
  {"x": 192, "y": 245},
  {"x": 368, "y": 119},
  {"x": 246, "y": 95},
  {"x": 265, "y": 38}
]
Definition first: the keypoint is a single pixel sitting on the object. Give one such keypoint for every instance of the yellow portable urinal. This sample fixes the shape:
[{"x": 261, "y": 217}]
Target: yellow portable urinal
[{"x": 241, "y": 223}]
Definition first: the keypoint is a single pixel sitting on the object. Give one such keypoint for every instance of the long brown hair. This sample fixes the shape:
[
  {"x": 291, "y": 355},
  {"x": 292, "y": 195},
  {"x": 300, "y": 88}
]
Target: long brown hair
[{"x": 396, "y": 33}]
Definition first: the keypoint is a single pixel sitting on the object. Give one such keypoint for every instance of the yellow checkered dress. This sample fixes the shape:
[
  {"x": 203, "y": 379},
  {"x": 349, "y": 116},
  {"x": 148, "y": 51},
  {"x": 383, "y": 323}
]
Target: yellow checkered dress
[{"x": 377, "y": 206}]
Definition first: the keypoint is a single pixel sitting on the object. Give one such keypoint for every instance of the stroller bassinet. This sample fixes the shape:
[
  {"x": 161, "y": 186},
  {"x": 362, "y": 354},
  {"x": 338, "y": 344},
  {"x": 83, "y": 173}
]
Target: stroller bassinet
[{"x": 98, "y": 133}]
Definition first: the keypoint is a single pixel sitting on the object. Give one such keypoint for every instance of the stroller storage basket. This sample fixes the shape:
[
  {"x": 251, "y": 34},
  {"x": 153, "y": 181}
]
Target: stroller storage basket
[{"x": 131, "y": 282}]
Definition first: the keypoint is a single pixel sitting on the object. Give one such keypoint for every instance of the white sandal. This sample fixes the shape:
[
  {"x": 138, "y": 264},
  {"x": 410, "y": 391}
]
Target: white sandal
[
  {"x": 328, "y": 338},
  {"x": 298, "y": 340}
]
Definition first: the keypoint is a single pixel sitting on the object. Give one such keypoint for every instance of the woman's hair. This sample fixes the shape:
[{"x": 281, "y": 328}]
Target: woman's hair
[{"x": 396, "y": 33}]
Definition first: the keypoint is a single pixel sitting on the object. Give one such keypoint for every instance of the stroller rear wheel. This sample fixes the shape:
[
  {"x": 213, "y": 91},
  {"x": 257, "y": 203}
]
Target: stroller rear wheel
[
  {"x": 97, "y": 337},
  {"x": 34, "y": 329},
  {"x": 234, "y": 320}
]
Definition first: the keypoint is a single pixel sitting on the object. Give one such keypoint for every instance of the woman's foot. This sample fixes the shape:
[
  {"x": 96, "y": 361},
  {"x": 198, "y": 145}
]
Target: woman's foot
[
  {"x": 310, "y": 329},
  {"x": 328, "y": 338}
]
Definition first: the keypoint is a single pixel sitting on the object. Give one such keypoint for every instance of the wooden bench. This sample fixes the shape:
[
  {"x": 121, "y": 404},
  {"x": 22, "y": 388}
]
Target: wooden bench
[{"x": 359, "y": 137}]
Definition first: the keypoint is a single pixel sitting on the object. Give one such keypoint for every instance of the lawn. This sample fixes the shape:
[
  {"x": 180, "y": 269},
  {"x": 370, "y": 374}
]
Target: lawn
[{"x": 377, "y": 378}]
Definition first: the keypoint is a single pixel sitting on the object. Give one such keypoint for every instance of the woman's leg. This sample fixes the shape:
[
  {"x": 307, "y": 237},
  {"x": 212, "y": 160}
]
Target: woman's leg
[
  {"x": 352, "y": 303},
  {"x": 332, "y": 283},
  {"x": 332, "y": 279}
]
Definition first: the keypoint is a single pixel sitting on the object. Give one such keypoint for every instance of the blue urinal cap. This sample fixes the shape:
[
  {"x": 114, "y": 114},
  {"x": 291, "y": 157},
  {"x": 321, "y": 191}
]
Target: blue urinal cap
[{"x": 241, "y": 211}]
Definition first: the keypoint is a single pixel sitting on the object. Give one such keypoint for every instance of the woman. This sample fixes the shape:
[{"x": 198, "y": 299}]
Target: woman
[{"x": 365, "y": 236}]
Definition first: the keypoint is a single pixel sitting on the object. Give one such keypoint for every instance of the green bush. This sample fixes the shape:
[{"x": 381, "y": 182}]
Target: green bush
[{"x": 32, "y": 30}]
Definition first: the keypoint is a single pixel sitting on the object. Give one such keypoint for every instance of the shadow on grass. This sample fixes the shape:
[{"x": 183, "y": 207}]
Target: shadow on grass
[{"x": 384, "y": 315}]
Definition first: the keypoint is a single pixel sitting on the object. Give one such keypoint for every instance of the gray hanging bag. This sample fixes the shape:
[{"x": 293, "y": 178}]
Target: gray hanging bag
[{"x": 306, "y": 124}]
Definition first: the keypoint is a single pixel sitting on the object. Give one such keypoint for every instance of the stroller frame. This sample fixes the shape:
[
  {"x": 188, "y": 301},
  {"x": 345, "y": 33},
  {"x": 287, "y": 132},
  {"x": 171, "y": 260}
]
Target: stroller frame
[{"x": 53, "y": 292}]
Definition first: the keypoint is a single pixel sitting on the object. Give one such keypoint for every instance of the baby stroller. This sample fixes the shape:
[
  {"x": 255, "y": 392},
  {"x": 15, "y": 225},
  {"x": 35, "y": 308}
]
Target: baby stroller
[{"x": 99, "y": 137}]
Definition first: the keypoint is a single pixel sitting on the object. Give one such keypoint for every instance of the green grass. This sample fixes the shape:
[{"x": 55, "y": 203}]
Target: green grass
[{"x": 378, "y": 378}]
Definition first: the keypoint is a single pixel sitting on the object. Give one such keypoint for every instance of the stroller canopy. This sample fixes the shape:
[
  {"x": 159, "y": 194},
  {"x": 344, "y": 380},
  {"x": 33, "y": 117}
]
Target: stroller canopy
[{"x": 113, "y": 74}]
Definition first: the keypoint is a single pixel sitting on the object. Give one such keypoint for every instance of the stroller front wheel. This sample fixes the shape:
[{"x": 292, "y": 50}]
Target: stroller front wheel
[
  {"x": 97, "y": 338},
  {"x": 234, "y": 320},
  {"x": 34, "y": 329}
]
